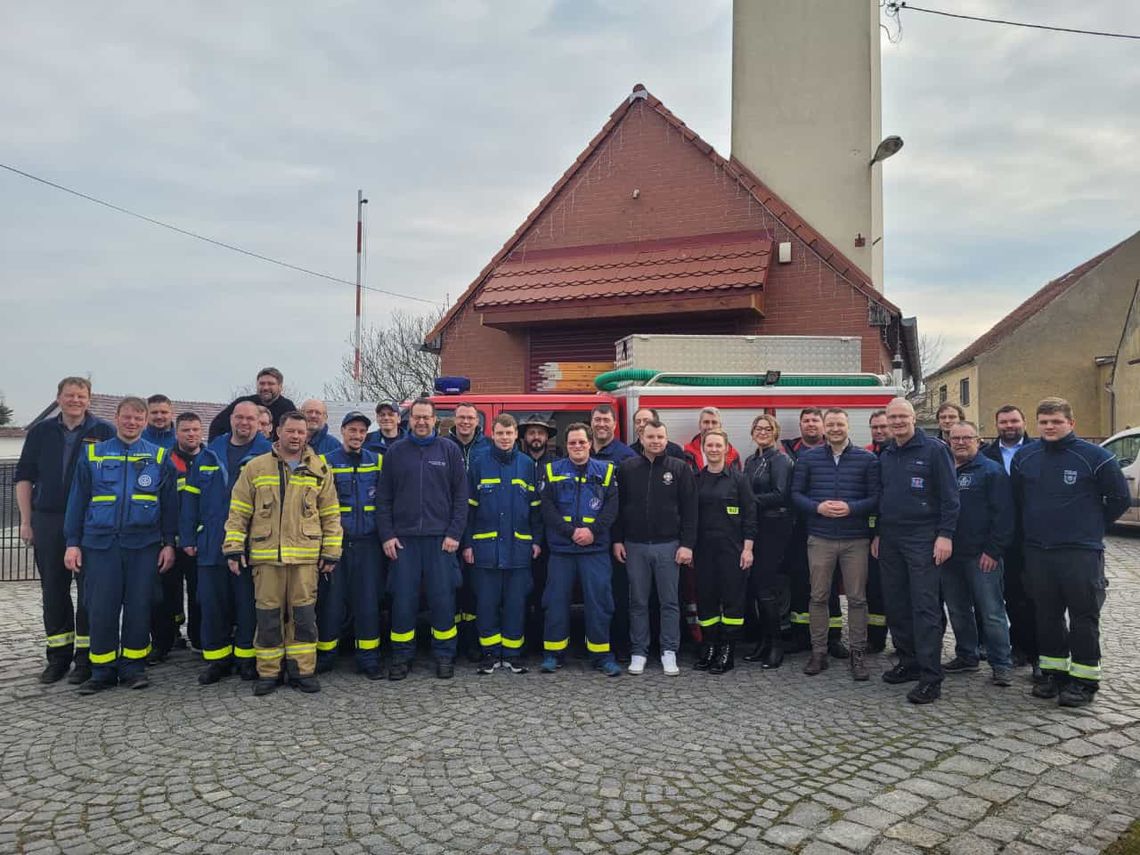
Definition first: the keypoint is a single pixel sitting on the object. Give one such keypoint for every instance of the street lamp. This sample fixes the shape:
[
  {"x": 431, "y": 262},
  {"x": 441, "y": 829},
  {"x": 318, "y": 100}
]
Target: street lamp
[{"x": 886, "y": 148}]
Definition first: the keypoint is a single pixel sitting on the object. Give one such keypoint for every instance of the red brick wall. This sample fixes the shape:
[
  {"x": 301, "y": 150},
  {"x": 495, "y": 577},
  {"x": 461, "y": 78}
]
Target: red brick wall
[{"x": 681, "y": 193}]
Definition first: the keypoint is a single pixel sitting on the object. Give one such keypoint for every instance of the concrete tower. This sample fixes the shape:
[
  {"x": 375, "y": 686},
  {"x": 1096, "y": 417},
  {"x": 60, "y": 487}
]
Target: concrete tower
[{"x": 806, "y": 114}]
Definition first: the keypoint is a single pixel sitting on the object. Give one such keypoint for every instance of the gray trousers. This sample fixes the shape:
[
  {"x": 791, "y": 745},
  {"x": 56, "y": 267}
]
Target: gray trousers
[{"x": 649, "y": 563}]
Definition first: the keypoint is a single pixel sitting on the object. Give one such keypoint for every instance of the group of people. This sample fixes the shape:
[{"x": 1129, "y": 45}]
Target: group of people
[{"x": 289, "y": 541}]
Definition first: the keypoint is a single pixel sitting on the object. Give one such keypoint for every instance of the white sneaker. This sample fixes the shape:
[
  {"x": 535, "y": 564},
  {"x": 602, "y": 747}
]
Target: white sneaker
[
  {"x": 669, "y": 663},
  {"x": 636, "y": 664}
]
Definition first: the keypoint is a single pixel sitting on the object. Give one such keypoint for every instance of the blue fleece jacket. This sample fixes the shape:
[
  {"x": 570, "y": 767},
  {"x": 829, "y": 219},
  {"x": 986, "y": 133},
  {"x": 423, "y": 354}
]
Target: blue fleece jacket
[
  {"x": 985, "y": 521},
  {"x": 919, "y": 487},
  {"x": 422, "y": 490}
]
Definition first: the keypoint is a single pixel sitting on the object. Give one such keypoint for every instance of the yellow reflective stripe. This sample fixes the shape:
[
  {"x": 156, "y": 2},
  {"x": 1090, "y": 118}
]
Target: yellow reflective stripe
[
  {"x": 732, "y": 510},
  {"x": 144, "y": 497},
  {"x": 220, "y": 653},
  {"x": 490, "y": 480},
  {"x": 337, "y": 470},
  {"x": 473, "y": 503},
  {"x": 301, "y": 649},
  {"x": 371, "y": 467},
  {"x": 301, "y": 551},
  {"x": 367, "y": 643},
  {"x": 345, "y": 509},
  {"x": 465, "y": 617},
  {"x": 265, "y": 481},
  {"x": 520, "y": 536},
  {"x": 485, "y": 535},
  {"x": 244, "y": 652},
  {"x": 606, "y": 483},
  {"x": 512, "y": 643},
  {"x": 270, "y": 652},
  {"x": 190, "y": 489},
  {"x": 102, "y": 658},
  {"x": 1053, "y": 663},
  {"x": 876, "y": 620},
  {"x": 181, "y": 483},
  {"x": 443, "y": 634},
  {"x": 82, "y": 641},
  {"x": 800, "y": 617},
  {"x": 106, "y": 497},
  {"x": 330, "y": 511},
  {"x": 209, "y": 468},
  {"x": 302, "y": 481},
  {"x": 490, "y": 640},
  {"x": 236, "y": 537},
  {"x": 835, "y": 622},
  {"x": 521, "y": 483},
  {"x": 262, "y": 554},
  {"x": 604, "y": 647},
  {"x": 588, "y": 520},
  {"x": 550, "y": 476},
  {"x": 1084, "y": 672},
  {"x": 568, "y": 519},
  {"x": 536, "y": 503},
  {"x": 368, "y": 508},
  {"x": 161, "y": 453},
  {"x": 333, "y": 540},
  {"x": 713, "y": 621},
  {"x": 733, "y": 621},
  {"x": 556, "y": 645},
  {"x": 326, "y": 646},
  {"x": 61, "y": 640},
  {"x": 136, "y": 652},
  {"x": 238, "y": 505},
  {"x": 402, "y": 636}
]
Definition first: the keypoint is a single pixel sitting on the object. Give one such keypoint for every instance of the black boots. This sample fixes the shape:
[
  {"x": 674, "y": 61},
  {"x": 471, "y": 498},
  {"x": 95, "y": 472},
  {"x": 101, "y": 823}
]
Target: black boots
[
  {"x": 775, "y": 657},
  {"x": 725, "y": 658},
  {"x": 705, "y": 660}
]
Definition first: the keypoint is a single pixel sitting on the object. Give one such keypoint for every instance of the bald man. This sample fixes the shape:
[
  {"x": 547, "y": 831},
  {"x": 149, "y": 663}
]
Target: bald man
[{"x": 317, "y": 419}]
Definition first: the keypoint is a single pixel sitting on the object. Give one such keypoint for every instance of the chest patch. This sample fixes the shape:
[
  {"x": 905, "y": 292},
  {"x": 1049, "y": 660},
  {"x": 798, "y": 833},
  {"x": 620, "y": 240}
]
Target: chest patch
[
  {"x": 917, "y": 483},
  {"x": 1070, "y": 476},
  {"x": 667, "y": 478},
  {"x": 595, "y": 503},
  {"x": 145, "y": 480},
  {"x": 965, "y": 481}
]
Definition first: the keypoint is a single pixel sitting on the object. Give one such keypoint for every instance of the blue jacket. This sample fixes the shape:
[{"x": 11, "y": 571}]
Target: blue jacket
[
  {"x": 161, "y": 438},
  {"x": 985, "y": 522},
  {"x": 42, "y": 460},
  {"x": 124, "y": 492},
  {"x": 579, "y": 497},
  {"x": 422, "y": 490},
  {"x": 205, "y": 497},
  {"x": 379, "y": 443},
  {"x": 322, "y": 443},
  {"x": 356, "y": 477},
  {"x": 854, "y": 480},
  {"x": 615, "y": 452},
  {"x": 477, "y": 446},
  {"x": 505, "y": 519},
  {"x": 1068, "y": 492},
  {"x": 919, "y": 489}
]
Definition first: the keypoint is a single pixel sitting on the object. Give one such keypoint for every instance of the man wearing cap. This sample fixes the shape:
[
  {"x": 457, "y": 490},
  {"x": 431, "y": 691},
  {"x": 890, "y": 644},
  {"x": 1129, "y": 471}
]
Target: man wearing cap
[
  {"x": 388, "y": 428},
  {"x": 355, "y": 588}
]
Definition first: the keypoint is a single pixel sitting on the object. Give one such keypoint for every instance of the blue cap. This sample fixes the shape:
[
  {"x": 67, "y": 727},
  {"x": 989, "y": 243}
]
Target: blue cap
[{"x": 356, "y": 416}]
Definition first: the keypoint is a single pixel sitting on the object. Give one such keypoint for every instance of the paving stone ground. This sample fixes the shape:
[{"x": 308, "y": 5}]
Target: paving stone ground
[{"x": 752, "y": 761}]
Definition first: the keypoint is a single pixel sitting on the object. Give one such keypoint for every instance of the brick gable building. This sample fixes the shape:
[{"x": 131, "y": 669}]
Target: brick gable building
[{"x": 651, "y": 231}]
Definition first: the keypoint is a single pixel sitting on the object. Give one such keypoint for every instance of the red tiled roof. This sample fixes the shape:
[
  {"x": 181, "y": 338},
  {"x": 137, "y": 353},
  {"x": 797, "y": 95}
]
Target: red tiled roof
[
  {"x": 10, "y": 432},
  {"x": 711, "y": 263},
  {"x": 759, "y": 191},
  {"x": 103, "y": 407},
  {"x": 1038, "y": 301}
]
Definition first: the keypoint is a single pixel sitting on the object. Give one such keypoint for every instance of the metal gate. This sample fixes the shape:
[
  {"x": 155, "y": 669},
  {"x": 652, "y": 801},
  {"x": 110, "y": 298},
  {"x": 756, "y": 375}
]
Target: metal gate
[{"x": 16, "y": 562}]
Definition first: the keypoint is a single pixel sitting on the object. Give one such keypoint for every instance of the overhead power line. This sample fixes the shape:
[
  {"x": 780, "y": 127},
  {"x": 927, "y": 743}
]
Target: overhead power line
[
  {"x": 895, "y": 6},
  {"x": 211, "y": 240}
]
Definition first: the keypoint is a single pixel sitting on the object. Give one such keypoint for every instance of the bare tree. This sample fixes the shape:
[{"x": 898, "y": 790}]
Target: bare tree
[
  {"x": 930, "y": 349},
  {"x": 393, "y": 366}
]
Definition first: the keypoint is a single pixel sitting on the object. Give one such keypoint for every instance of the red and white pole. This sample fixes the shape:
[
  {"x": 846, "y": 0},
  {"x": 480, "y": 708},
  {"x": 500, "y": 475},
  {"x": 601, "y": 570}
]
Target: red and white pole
[{"x": 357, "y": 373}]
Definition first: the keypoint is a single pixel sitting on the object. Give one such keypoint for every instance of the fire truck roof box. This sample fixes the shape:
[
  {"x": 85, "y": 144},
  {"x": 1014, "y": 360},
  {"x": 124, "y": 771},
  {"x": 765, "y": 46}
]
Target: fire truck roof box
[{"x": 741, "y": 353}]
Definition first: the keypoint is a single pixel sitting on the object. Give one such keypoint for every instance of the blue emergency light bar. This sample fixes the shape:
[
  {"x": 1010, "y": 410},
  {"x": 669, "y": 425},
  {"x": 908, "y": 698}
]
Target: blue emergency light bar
[{"x": 452, "y": 385}]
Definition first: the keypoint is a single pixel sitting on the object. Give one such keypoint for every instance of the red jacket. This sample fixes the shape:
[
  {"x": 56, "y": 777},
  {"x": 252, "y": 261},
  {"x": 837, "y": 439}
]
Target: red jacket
[{"x": 694, "y": 448}]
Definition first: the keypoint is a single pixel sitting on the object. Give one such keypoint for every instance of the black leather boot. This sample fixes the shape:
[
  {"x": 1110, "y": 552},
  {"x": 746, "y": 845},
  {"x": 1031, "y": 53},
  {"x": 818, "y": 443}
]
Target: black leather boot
[
  {"x": 708, "y": 653},
  {"x": 725, "y": 658},
  {"x": 775, "y": 657}
]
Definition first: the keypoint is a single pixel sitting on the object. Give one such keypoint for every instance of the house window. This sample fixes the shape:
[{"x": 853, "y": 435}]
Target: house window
[
  {"x": 964, "y": 391},
  {"x": 941, "y": 395}
]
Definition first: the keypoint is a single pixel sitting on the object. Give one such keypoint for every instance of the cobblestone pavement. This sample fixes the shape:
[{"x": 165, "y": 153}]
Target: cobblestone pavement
[{"x": 752, "y": 761}]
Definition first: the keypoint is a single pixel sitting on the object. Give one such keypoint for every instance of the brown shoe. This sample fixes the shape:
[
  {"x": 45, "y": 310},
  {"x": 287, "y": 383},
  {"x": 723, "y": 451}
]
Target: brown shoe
[
  {"x": 817, "y": 663},
  {"x": 858, "y": 665}
]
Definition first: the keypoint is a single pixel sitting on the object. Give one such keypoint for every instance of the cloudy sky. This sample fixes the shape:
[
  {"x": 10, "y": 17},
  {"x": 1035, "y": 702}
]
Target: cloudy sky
[{"x": 255, "y": 123}]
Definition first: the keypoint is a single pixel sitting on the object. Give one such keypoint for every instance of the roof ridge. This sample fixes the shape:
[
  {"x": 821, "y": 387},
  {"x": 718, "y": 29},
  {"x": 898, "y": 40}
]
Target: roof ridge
[{"x": 1026, "y": 309}]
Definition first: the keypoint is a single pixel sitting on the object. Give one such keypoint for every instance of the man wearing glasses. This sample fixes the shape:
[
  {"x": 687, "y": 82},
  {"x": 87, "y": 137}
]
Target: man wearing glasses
[{"x": 972, "y": 578}]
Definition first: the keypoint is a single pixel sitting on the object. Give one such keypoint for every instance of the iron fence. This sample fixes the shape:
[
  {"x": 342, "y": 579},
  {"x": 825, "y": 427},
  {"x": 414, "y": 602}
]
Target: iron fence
[{"x": 16, "y": 562}]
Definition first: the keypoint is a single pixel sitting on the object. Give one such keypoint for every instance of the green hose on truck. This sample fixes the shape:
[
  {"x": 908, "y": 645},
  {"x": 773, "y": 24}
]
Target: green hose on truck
[{"x": 611, "y": 380}]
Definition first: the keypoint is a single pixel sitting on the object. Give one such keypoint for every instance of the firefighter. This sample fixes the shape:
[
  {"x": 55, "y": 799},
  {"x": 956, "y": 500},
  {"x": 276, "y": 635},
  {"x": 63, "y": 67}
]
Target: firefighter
[
  {"x": 121, "y": 524},
  {"x": 769, "y": 474},
  {"x": 284, "y": 522},
  {"x": 503, "y": 536},
  {"x": 1068, "y": 492},
  {"x": 169, "y": 611},
  {"x": 229, "y": 617},
  {"x": 579, "y": 505},
  {"x": 536, "y": 433},
  {"x": 876, "y": 608},
  {"x": 654, "y": 537},
  {"x": 468, "y": 435},
  {"x": 835, "y": 488},
  {"x": 355, "y": 588},
  {"x": 421, "y": 510},
  {"x": 726, "y": 531},
  {"x": 43, "y": 483},
  {"x": 609, "y": 449},
  {"x": 798, "y": 574}
]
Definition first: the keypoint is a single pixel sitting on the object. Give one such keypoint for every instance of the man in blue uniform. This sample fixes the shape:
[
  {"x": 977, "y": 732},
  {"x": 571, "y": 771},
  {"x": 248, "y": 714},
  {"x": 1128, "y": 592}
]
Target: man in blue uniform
[
  {"x": 579, "y": 506},
  {"x": 468, "y": 435},
  {"x": 317, "y": 422},
  {"x": 121, "y": 523},
  {"x": 388, "y": 428},
  {"x": 43, "y": 482},
  {"x": 1068, "y": 492},
  {"x": 609, "y": 449},
  {"x": 353, "y": 589},
  {"x": 503, "y": 536},
  {"x": 421, "y": 510}
]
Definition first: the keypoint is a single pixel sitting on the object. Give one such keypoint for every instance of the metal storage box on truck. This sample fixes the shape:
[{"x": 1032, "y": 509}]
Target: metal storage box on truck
[{"x": 800, "y": 354}]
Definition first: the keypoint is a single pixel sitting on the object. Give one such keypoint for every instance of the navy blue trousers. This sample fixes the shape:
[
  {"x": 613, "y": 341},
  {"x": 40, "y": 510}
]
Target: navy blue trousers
[
  {"x": 422, "y": 562},
  {"x": 352, "y": 592},
  {"x": 912, "y": 592},
  {"x": 229, "y": 616},
  {"x": 120, "y": 585},
  {"x": 500, "y": 609},
  {"x": 593, "y": 568}
]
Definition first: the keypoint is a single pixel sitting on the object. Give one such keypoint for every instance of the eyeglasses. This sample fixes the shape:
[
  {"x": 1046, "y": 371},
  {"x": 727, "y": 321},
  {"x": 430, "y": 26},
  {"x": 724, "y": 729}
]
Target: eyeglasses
[
  {"x": 963, "y": 439},
  {"x": 762, "y": 429}
]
